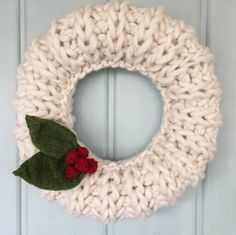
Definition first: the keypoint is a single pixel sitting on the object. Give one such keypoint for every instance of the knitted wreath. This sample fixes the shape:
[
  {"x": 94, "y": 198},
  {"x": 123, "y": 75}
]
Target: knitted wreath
[{"x": 121, "y": 35}]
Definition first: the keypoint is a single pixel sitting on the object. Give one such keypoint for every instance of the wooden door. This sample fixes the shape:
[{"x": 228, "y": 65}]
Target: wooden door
[{"x": 117, "y": 113}]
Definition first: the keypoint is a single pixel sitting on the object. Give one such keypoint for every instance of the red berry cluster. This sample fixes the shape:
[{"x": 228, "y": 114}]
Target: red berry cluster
[{"x": 78, "y": 162}]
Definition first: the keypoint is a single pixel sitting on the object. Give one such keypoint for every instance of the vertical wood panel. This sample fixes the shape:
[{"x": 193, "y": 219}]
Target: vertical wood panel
[
  {"x": 40, "y": 216},
  {"x": 138, "y": 112},
  {"x": 10, "y": 186},
  {"x": 200, "y": 193},
  {"x": 112, "y": 127},
  {"x": 220, "y": 187},
  {"x": 90, "y": 109}
]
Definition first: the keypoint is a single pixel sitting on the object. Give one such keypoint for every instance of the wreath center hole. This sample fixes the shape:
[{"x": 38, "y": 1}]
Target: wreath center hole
[{"x": 117, "y": 113}]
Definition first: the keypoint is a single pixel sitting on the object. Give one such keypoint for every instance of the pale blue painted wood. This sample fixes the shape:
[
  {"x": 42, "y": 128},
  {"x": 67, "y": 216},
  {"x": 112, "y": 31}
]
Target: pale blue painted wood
[
  {"x": 38, "y": 215},
  {"x": 200, "y": 193},
  {"x": 138, "y": 115},
  {"x": 90, "y": 109},
  {"x": 177, "y": 219},
  {"x": 220, "y": 187},
  {"x": 87, "y": 124},
  {"x": 117, "y": 118},
  {"x": 9, "y": 185}
]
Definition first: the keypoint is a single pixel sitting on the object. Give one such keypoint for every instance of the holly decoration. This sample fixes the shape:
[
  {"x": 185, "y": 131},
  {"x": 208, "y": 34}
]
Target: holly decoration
[
  {"x": 61, "y": 163},
  {"x": 78, "y": 162}
]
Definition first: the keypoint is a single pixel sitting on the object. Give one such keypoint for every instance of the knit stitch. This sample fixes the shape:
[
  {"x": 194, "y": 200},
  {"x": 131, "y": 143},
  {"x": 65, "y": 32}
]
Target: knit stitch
[{"x": 147, "y": 40}]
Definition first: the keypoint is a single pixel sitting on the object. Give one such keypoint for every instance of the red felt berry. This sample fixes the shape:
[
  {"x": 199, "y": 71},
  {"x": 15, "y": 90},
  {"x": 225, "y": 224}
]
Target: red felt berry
[
  {"x": 71, "y": 157},
  {"x": 93, "y": 165},
  {"x": 71, "y": 172},
  {"x": 82, "y": 165},
  {"x": 82, "y": 151}
]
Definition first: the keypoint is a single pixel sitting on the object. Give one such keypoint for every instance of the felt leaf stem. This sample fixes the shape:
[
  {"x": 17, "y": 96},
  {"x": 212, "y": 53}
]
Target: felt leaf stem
[
  {"x": 50, "y": 137},
  {"x": 46, "y": 172}
]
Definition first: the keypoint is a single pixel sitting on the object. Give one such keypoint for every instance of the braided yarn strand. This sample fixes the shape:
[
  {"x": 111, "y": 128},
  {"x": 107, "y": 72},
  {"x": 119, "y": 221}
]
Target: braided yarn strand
[{"x": 138, "y": 39}]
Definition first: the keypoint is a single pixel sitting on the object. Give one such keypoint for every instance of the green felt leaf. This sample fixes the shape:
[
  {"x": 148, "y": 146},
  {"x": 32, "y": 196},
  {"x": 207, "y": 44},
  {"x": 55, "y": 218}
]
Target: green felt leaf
[
  {"x": 47, "y": 173},
  {"x": 50, "y": 137}
]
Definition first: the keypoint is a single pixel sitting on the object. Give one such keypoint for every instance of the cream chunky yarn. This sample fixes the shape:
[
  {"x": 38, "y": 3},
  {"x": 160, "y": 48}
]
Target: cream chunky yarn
[{"x": 165, "y": 50}]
